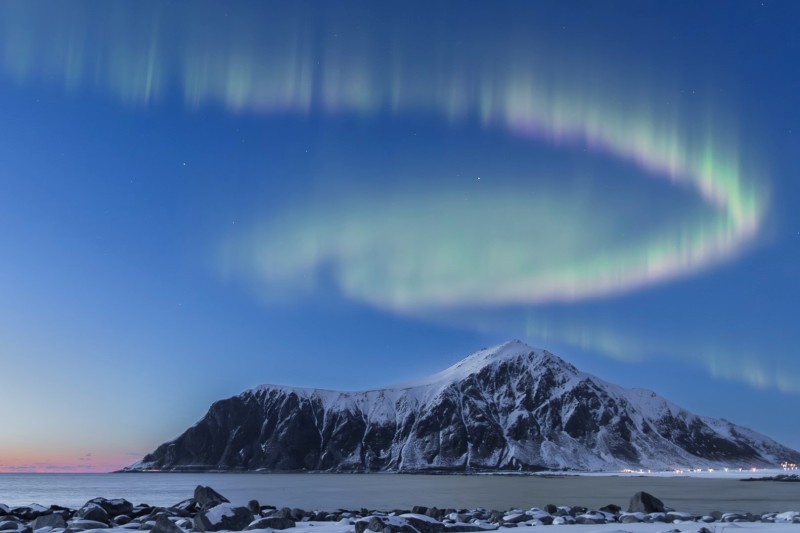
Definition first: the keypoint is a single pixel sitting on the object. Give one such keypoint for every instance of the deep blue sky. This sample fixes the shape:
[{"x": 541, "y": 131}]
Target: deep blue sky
[{"x": 197, "y": 198}]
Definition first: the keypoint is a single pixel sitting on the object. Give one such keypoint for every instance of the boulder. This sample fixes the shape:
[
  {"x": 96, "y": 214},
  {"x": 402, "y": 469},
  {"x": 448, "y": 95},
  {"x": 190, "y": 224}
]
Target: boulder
[
  {"x": 93, "y": 511},
  {"x": 254, "y": 507},
  {"x": 113, "y": 507},
  {"x": 611, "y": 508},
  {"x": 80, "y": 523},
  {"x": 550, "y": 508},
  {"x": 187, "y": 507},
  {"x": 10, "y": 525},
  {"x": 642, "y": 502},
  {"x": 121, "y": 520},
  {"x": 423, "y": 523},
  {"x": 515, "y": 518},
  {"x": 224, "y": 516},
  {"x": 4, "y": 509},
  {"x": 631, "y": 518},
  {"x": 271, "y": 522},
  {"x": 30, "y": 512},
  {"x": 206, "y": 497},
  {"x": 165, "y": 525},
  {"x": 434, "y": 513},
  {"x": 53, "y": 520}
]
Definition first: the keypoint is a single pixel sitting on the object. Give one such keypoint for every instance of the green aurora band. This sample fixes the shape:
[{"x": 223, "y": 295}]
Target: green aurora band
[{"x": 398, "y": 251}]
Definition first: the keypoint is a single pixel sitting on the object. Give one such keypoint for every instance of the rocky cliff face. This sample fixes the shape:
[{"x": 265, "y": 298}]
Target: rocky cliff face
[{"x": 504, "y": 408}]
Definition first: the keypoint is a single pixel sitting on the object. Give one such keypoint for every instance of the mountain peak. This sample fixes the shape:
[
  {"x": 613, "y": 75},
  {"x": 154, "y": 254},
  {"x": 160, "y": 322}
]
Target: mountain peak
[{"x": 507, "y": 407}]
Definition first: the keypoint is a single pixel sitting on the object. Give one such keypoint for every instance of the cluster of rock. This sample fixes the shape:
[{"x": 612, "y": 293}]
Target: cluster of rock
[{"x": 209, "y": 511}]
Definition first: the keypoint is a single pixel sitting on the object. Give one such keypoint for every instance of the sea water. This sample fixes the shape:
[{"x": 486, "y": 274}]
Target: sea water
[{"x": 393, "y": 491}]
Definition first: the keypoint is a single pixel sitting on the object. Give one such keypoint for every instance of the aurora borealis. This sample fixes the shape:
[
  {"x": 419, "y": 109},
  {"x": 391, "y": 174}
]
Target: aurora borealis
[{"x": 402, "y": 182}]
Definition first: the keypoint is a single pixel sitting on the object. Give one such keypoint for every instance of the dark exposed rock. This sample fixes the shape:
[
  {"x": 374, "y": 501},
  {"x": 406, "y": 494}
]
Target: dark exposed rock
[
  {"x": 550, "y": 508},
  {"x": 611, "y": 508},
  {"x": 93, "y": 511},
  {"x": 642, "y": 502},
  {"x": 113, "y": 507},
  {"x": 423, "y": 524},
  {"x": 9, "y": 525},
  {"x": 53, "y": 520},
  {"x": 631, "y": 518},
  {"x": 83, "y": 523},
  {"x": 254, "y": 507},
  {"x": 121, "y": 520},
  {"x": 272, "y": 522},
  {"x": 435, "y": 513},
  {"x": 381, "y": 524},
  {"x": 206, "y": 497},
  {"x": 165, "y": 525},
  {"x": 497, "y": 401},
  {"x": 30, "y": 512},
  {"x": 224, "y": 516}
]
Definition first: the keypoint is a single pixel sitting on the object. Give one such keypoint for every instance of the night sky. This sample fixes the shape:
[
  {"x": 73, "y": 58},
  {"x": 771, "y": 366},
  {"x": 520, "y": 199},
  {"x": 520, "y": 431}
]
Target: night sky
[{"x": 200, "y": 197}]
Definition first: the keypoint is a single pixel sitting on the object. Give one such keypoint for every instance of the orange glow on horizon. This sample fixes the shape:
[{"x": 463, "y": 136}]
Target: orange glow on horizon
[{"x": 43, "y": 461}]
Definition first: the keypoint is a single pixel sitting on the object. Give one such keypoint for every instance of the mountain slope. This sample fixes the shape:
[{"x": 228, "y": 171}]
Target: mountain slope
[{"x": 504, "y": 408}]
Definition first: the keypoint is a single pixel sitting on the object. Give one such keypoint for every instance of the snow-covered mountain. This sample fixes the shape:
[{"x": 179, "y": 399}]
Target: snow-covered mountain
[{"x": 509, "y": 407}]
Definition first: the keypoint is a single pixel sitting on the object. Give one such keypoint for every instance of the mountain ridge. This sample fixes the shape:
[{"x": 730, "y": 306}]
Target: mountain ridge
[{"x": 508, "y": 407}]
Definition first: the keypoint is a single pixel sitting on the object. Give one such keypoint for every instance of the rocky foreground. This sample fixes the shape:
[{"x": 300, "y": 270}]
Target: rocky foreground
[{"x": 209, "y": 511}]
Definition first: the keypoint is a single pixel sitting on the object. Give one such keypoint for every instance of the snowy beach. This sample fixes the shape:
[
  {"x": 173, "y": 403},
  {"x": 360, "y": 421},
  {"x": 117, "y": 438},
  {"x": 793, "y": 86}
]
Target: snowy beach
[{"x": 209, "y": 511}]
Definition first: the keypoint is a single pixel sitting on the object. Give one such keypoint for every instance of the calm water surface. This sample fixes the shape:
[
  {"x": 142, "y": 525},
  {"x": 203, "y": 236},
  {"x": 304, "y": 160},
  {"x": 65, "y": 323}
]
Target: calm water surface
[{"x": 389, "y": 491}]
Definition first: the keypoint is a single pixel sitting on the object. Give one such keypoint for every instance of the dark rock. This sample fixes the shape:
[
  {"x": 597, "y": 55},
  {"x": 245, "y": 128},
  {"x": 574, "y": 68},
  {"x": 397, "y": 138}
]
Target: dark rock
[
  {"x": 53, "y": 520},
  {"x": 642, "y": 502},
  {"x": 381, "y": 524},
  {"x": 656, "y": 517},
  {"x": 297, "y": 514},
  {"x": 113, "y": 507},
  {"x": 632, "y": 518},
  {"x": 283, "y": 512},
  {"x": 223, "y": 516},
  {"x": 165, "y": 525},
  {"x": 423, "y": 525},
  {"x": 576, "y": 510},
  {"x": 435, "y": 513},
  {"x": 254, "y": 507},
  {"x": 9, "y": 525},
  {"x": 610, "y": 508},
  {"x": 550, "y": 508},
  {"x": 93, "y": 511},
  {"x": 121, "y": 520},
  {"x": 188, "y": 507},
  {"x": 30, "y": 512},
  {"x": 206, "y": 497},
  {"x": 82, "y": 523},
  {"x": 271, "y": 522}
]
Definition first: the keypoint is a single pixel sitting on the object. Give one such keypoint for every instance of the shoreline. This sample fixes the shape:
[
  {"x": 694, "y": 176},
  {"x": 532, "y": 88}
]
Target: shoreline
[{"x": 207, "y": 510}]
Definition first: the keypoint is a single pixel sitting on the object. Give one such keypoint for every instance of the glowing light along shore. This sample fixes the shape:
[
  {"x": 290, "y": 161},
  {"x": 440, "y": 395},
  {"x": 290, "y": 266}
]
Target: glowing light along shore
[{"x": 246, "y": 72}]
